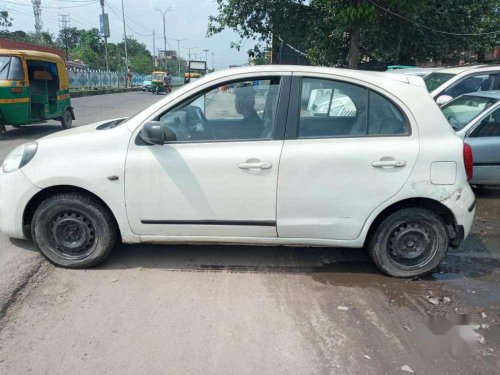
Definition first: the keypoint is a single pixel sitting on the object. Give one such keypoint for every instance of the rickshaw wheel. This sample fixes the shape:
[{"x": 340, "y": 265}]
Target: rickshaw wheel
[{"x": 66, "y": 119}]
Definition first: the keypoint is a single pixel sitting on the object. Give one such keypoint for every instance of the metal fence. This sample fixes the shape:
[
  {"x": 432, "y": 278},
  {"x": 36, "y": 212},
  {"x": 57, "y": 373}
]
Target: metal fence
[{"x": 80, "y": 78}]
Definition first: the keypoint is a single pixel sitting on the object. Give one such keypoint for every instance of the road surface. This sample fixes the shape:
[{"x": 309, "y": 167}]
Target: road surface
[{"x": 243, "y": 310}]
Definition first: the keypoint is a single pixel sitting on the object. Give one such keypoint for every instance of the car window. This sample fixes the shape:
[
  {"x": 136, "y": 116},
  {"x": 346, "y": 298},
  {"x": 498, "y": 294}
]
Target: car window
[
  {"x": 461, "y": 111},
  {"x": 331, "y": 108},
  {"x": 434, "y": 80},
  {"x": 489, "y": 127},
  {"x": 475, "y": 83},
  {"x": 235, "y": 111},
  {"x": 384, "y": 118},
  {"x": 335, "y": 109}
]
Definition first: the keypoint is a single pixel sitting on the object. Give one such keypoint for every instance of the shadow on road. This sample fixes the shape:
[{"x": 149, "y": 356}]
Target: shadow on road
[
  {"x": 29, "y": 132},
  {"x": 236, "y": 258}
]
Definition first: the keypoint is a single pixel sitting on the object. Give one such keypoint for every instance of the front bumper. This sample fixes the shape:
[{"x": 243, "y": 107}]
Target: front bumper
[{"x": 15, "y": 193}]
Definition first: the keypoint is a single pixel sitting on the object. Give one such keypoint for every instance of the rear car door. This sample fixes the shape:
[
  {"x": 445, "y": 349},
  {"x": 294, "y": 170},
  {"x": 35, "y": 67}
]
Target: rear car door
[
  {"x": 485, "y": 142},
  {"x": 348, "y": 148}
]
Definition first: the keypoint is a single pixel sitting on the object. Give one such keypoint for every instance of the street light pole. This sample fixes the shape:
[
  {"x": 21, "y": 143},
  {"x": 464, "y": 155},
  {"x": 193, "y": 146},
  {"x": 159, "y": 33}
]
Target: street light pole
[
  {"x": 125, "y": 38},
  {"x": 178, "y": 52},
  {"x": 206, "y": 60},
  {"x": 105, "y": 39},
  {"x": 213, "y": 66},
  {"x": 163, "y": 14}
]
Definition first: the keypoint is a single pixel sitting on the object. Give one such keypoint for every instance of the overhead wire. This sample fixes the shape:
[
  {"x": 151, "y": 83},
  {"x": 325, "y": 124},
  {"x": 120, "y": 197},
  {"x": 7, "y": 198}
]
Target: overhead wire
[{"x": 430, "y": 28}]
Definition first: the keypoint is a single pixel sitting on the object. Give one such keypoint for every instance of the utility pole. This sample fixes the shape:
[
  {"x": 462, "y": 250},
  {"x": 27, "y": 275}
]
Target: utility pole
[
  {"x": 189, "y": 51},
  {"x": 64, "y": 25},
  {"x": 179, "y": 53},
  {"x": 164, "y": 13},
  {"x": 105, "y": 38},
  {"x": 154, "y": 49},
  {"x": 213, "y": 66},
  {"x": 206, "y": 60},
  {"x": 37, "y": 10},
  {"x": 125, "y": 38}
]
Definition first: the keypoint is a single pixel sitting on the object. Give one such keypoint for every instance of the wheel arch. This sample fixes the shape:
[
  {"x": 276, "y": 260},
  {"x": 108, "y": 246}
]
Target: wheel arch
[
  {"x": 40, "y": 196},
  {"x": 432, "y": 205}
]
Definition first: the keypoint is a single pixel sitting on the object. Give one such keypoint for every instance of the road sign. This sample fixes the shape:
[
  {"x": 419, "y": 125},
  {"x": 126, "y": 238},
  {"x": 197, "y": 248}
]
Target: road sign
[{"x": 104, "y": 25}]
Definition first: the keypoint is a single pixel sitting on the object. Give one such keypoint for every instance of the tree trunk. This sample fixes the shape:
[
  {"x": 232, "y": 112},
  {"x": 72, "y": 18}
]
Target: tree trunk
[{"x": 354, "y": 48}]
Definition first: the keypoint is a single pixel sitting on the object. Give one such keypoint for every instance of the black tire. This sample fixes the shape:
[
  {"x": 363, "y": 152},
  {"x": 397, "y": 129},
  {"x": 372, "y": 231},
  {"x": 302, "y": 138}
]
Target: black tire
[
  {"x": 66, "y": 119},
  {"x": 408, "y": 243},
  {"x": 73, "y": 230}
]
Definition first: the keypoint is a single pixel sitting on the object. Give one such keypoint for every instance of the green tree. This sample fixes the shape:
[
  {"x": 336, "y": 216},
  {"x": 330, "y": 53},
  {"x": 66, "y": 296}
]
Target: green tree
[
  {"x": 346, "y": 32},
  {"x": 5, "y": 19}
]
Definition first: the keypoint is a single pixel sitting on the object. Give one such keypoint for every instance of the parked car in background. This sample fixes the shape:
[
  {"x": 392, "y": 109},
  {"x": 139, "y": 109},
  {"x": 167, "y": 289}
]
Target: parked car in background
[
  {"x": 420, "y": 72},
  {"x": 146, "y": 84},
  {"x": 201, "y": 166},
  {"x": 476, "y": 119},
  {"x": 446, "y": 84}
]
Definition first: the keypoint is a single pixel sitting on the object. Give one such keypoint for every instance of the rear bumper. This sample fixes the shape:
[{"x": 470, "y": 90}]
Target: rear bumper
[
  {"x": 462, "y": 204},
  {"x": 15, "y": 193}
]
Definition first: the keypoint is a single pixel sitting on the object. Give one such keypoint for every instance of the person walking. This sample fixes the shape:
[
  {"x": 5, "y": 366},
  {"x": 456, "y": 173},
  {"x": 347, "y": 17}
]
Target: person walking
[{"x": 129, "y": 77}]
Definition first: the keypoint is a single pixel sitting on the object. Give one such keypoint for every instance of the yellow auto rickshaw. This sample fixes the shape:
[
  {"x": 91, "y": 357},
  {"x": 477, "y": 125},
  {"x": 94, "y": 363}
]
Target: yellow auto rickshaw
[
  {"x": 34, "y": 88},
  {"x": 157, "y": 82}
]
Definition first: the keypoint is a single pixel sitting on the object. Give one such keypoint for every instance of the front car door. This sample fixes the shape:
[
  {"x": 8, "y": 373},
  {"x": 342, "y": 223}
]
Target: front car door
[
  {"x": 348, "y": 148},
  {"x": 485, "y": 142},
  {"x": 219, "y": 177}
]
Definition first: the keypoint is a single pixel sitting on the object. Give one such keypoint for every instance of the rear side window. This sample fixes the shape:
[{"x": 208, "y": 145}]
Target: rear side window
[
  {"x": 331, "y": 108},
  {"x": 384, "y": 118}
]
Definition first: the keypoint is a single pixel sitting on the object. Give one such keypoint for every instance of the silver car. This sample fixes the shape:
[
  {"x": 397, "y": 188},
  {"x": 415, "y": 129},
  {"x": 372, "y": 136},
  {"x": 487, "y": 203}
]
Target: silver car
[{"x": 476, "y": 118}]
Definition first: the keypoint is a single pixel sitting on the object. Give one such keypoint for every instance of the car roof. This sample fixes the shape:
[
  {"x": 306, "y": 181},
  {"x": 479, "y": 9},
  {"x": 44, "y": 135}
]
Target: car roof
[
  {"x": 304, "y": 69},
  {"x": 467, "y": 68},
  {"x": 495, "y": 94}
]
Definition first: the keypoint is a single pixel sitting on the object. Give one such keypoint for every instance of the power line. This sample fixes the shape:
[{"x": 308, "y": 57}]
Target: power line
[{"x": 430, "y": 28}]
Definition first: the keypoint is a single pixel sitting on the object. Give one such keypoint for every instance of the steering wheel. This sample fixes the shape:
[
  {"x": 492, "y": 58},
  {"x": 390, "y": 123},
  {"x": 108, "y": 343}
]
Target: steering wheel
[{"x": 197, "y": 124}]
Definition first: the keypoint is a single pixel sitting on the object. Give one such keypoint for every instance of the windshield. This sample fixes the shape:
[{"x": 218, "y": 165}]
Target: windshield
[
  {"x": 434, "y": 80},
  {"x": 462, "y": 110},
  {"x": 11, "y": 68}
]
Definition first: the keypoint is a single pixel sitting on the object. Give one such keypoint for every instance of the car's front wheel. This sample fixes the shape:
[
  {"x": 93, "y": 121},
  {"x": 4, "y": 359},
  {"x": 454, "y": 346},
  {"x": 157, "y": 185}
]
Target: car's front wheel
[
  {"x": 73, "y": 230},
  {"x": 409, "y": 242}
]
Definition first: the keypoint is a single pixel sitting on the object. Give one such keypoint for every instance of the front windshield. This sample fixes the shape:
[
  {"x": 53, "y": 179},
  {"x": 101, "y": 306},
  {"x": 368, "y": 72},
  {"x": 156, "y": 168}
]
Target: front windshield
[
  {"x": 462, "y": 110},
  {"x": 11, "y": 68},
  {"x": 434, "y": 80}
]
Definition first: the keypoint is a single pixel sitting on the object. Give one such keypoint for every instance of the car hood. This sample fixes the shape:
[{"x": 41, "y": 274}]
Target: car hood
[{"x": 94, "y": 127}]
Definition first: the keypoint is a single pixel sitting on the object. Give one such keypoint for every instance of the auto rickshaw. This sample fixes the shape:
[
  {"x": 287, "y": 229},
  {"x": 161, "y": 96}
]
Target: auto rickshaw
[
  {"x": 157, "y": 83},
  {"x": 34, "y": 88}
]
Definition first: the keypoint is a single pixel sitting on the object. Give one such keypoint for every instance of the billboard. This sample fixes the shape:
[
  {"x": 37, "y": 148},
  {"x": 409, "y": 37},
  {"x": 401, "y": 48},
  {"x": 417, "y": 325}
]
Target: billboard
[
  {"x": 198, "y": 65},
  {"x": 104, "y": 25}
]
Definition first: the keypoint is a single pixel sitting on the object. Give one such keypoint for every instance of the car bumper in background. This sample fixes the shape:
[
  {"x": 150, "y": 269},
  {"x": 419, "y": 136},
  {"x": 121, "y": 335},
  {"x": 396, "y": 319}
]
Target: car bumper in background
[{"x": 15, "y": 193}]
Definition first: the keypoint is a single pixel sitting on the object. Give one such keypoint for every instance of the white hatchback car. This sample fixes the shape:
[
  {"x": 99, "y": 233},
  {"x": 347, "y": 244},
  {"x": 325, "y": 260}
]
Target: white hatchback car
[{"x": 238, "y": 158}]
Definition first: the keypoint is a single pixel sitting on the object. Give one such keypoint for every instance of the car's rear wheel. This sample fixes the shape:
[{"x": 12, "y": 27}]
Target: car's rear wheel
[
  {"x": 73, "y": 230},
  {"x": 409, "y": 242}
]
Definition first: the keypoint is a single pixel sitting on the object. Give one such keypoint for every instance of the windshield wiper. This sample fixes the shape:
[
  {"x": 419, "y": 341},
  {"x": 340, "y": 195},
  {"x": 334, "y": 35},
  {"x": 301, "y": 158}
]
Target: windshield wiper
[{"x": 5, "y": 66}]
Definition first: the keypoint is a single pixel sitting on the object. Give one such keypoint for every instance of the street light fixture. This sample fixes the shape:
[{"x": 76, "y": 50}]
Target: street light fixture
[{"x": 164, "y": 13}]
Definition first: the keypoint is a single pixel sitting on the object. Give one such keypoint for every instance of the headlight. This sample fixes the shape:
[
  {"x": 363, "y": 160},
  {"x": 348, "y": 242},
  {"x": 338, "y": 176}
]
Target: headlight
[{"x": 18, "y": 158}]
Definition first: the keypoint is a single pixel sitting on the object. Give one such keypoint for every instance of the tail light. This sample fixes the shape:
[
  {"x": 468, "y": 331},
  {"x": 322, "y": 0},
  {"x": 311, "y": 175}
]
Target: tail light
[{"x": 468, "y": 161}]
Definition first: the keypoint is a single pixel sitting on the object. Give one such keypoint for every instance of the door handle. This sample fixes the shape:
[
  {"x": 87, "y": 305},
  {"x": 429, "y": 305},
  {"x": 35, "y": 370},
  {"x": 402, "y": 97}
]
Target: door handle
[
  {"x": 389, "y": 163},
  {"x": 255, "y": 165}
]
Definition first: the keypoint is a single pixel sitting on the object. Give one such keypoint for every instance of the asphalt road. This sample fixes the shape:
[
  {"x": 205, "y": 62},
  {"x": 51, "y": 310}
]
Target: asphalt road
[{"x": 245, "y": 310}]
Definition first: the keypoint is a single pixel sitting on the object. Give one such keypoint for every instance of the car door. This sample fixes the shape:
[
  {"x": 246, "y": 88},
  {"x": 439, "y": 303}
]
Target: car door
[
  {"x": 342, "y": 158},
  {"x": 211, "y": 182},
  {"x": 485, "y": 142}
]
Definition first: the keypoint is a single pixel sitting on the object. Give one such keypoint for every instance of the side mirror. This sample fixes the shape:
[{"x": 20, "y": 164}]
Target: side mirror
[
  {"x": 152, "y": 133},
  {"x": 443, "y": 99}
]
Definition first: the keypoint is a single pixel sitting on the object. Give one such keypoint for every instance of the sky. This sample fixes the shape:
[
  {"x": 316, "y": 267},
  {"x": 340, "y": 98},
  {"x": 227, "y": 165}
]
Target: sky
[{"x": 188, "y": 19}]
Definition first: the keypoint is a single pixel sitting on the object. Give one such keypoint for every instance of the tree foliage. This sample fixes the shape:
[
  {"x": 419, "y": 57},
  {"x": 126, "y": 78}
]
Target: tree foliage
[
  {"x": 347, "y": 32},
  {"x": 5, "y": 19}
]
